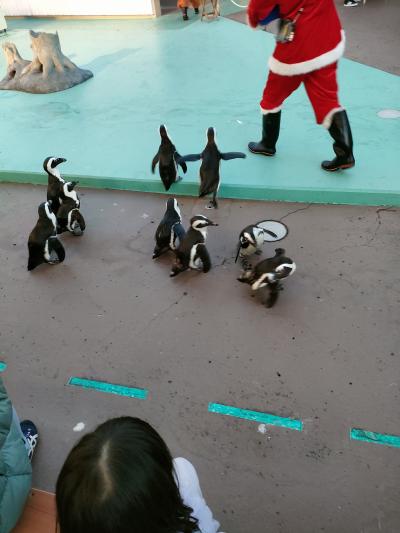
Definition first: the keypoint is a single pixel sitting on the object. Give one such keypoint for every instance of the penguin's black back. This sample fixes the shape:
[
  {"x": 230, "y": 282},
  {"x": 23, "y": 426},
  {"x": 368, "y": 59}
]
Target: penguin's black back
[
  {"x": 54, "y": 191},
  {"x": 166, "y": 162},
  {"x": 191, "y": 238},
  {"x": 209, "y": 169},
  {"x": 270, "y": 264},
  {"x": 163, "y": 232},
  {"x": 43, "y": 229}
]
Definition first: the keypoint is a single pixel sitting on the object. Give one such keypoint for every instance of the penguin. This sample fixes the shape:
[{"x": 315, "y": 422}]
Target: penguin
[
  {"x": 270, "y": 272},
  {"x": 192, "y": 252},
  {"x": 43, "y": 245},
  {"x": 168, "y": 159},
  {"x": 69, "y": 217},
  {"x": 55, "y": 181},
  {"x": 169, "y": 230},
  {"x": 209, "y": 168},
  {"x": 251, "y": 239}
]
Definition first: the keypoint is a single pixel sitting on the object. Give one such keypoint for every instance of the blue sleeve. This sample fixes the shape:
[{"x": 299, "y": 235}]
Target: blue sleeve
[{"x": 273, "y": 15}]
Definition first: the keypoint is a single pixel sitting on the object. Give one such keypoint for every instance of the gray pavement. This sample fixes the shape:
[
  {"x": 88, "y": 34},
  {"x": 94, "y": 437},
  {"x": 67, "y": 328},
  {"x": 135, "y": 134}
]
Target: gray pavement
[
  {"x": 372, "y": 32},
  {"x": 328, "y": 353}
]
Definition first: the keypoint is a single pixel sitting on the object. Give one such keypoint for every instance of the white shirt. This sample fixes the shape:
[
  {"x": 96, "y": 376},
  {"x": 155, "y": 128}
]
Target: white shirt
[{"x": 189, "y": 488}]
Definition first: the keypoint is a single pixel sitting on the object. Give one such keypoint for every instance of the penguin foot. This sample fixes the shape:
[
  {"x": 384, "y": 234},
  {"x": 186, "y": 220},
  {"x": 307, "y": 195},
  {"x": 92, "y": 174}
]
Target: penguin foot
[{"x": 178, "y": 178}]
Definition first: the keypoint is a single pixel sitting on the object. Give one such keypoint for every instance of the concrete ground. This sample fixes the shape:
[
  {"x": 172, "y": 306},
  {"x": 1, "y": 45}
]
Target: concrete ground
[{"x": 328, "y": 353}]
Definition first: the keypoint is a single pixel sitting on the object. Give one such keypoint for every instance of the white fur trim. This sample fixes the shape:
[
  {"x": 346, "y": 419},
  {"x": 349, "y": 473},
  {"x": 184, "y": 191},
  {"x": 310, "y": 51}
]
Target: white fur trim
[
  {"x": 327, "y": 122},
  {"x": 293, "y": 69},
  {"x": 267, "y": 111}
]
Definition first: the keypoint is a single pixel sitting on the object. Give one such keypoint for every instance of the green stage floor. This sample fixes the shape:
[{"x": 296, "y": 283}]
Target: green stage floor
[{"x": 191, "y": 76}]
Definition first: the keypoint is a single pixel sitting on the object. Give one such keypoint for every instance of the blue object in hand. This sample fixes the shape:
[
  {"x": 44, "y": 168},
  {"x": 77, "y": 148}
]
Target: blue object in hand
[{"x": 273, "y": 15}]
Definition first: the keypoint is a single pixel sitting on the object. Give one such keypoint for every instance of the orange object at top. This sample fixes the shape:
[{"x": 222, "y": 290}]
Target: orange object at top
[{"x": 189, "y": 3}]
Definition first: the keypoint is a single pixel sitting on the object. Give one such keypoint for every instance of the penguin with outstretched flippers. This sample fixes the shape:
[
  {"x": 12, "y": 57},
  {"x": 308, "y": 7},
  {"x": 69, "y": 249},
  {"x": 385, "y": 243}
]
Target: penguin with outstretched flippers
[
  {"x": 192, "y": 252},
  {"x": 55, "y": 181},
  {"x": 209, "y": 168},
  {"x": 43, "y": 245},
  {"x": 168, "y": 160},
  {"x": 69, "y": 217},
  {"x": 269, "y": 273},
  {"x": 169, "y": 230}
]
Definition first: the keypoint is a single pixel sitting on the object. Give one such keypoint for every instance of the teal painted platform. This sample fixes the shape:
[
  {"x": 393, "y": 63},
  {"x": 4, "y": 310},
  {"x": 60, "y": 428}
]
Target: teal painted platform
[{"x": 191, "y": 76}]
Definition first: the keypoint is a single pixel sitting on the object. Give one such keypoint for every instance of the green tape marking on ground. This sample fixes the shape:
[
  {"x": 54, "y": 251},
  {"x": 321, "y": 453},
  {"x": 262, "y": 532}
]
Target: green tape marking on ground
[
  {"x": 3, "y": 366},
  {"x": 110, "y": 388},
  {"x": 375, "y": 438},
  {"x": 256, "y": 416}
]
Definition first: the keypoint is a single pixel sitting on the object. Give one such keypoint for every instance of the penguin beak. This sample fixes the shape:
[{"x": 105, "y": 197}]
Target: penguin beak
[{"x": 211, "y": 223}]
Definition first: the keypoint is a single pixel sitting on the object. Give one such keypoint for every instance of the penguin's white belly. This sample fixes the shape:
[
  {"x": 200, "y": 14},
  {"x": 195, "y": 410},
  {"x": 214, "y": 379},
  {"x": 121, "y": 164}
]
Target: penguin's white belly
[
  {"x": 250, "y": 250},
  {"x": 50, "y": 257},
  {"x": 46, "y": 251},
  {"x": 194, "y": 263},
  {"x": 259, "y": 238}
]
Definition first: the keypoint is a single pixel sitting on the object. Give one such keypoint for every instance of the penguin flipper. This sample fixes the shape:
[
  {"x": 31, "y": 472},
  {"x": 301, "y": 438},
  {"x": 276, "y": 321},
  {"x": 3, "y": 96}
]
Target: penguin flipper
[
  {"x": 190, "y": 157},
  {"x": 80, "y": 220},
  {"x": 56, "y": 246},
  {"x": 61, "y": 225},
  {"x": 35, "y": 255},
  {"x": 238, "y": 251},
  {"x": 156, "y": 159},
  {"x": 271, "y": 233},
  {"x": 180, "y": 161},
  {"x": 179, "y": 231},
  {"x": 233, "y": 155},
  {"x": 204, "y": 256}
]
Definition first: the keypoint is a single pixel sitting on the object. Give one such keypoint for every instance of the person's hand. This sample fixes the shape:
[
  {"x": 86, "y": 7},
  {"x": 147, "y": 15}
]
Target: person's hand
[{"x": 252, "y": 18}]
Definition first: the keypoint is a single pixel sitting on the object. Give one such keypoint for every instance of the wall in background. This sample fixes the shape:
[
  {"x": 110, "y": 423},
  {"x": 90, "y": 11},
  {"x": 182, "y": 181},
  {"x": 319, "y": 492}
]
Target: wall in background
[{"x": 77, "y": 7}]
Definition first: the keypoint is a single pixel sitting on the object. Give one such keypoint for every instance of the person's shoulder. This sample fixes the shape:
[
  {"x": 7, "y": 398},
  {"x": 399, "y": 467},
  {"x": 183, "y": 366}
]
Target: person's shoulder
[{"x": 185, "y": 472}]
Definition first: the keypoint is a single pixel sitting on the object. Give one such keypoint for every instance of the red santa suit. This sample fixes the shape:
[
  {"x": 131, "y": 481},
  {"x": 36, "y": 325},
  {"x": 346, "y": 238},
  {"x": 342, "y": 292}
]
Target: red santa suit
[{"x": 311, "y": 58}]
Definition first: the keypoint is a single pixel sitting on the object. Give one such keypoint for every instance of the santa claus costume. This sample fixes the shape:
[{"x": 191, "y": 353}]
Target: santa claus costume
[{"x": 311, "y": 58}]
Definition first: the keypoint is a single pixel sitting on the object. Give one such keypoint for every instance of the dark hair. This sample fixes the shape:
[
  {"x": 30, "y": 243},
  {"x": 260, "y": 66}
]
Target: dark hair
[{"x": 120, "y": 479}]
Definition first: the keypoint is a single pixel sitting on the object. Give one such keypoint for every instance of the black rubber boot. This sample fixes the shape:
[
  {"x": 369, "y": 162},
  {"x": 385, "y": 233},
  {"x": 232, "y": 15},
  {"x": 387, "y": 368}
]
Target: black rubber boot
[
  {"x": 184, "y": 13},
  {"x": 270, "y": 132},
  {"x": 196, "y": 10},
  {"x": 340, "y": 132}
]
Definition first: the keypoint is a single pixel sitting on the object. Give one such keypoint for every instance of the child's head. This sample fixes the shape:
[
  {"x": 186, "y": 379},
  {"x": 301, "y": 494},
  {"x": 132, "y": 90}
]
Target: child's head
[{"x": 119, "y": 479}]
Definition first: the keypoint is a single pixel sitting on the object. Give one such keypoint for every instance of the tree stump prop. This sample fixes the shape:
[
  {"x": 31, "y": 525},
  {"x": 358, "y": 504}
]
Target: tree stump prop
[{"x": 49, "y": 71}]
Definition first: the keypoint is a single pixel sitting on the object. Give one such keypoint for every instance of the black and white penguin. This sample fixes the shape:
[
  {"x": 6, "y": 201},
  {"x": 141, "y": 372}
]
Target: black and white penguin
[
  {"x": 251, "y": 239},
  {"x": 55, "y": 181},
  {"x": 168, "y": 159},
  {"x": 209, "y": 168},
  {"x": 69, "y": 217},
  {"x": 43, "y": 245},
  {"x": 169, "y": 230},
  {"x": 192, "y": 252},
  {"x": 270, "y": 272}
]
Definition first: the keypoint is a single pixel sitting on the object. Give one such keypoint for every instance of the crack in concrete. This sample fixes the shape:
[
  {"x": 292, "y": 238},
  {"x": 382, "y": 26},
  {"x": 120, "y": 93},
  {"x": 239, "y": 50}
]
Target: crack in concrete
[
  {"x": 379, "y": 221},
  {"x": 160, "y": 313},
  {"x": 295, "y": 211}
]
